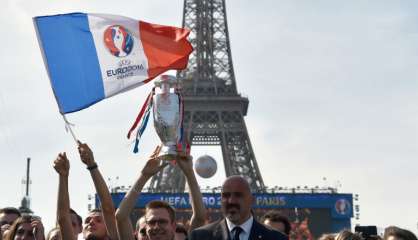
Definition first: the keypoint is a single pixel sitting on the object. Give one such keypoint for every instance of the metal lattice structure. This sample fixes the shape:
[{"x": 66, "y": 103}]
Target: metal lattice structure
[{"x": 214, "y": 111}]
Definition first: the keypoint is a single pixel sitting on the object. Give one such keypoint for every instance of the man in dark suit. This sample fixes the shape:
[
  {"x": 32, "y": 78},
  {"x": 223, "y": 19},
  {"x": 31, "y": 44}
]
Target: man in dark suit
[{"x": 238, "y": 224}]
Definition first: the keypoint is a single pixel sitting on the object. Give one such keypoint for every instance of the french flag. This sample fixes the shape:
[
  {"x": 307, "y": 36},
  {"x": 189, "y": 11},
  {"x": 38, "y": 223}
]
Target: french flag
[{"x": 90, "y": 57}]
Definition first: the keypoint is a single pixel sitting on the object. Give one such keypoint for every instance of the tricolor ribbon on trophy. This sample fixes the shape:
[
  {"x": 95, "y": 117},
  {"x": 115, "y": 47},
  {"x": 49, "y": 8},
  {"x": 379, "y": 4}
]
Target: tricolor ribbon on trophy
[{"x": 166, "y": 102}]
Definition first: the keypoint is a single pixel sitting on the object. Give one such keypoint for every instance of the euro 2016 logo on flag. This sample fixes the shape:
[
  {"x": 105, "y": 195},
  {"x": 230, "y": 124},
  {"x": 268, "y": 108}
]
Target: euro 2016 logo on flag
[{"x": 118, "y": 41}]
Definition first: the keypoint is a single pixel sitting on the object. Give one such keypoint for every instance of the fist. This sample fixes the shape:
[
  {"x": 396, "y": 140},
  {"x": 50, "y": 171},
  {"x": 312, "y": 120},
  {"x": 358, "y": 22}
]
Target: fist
[{"x": 61, "y": 164}]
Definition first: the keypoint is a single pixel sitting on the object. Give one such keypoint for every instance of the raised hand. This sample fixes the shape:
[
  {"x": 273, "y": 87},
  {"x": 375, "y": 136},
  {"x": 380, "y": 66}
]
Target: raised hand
[
  {"x": 153, "y": 164},
  {"x": 86, "y": 154},
  {"x": 3, "y": 230},
  {"x": 185, "y": 163},
  {"x": 38, "y": 228},
  {"x": 61, "y": 164},
  {"x": 108, "y": 208}
]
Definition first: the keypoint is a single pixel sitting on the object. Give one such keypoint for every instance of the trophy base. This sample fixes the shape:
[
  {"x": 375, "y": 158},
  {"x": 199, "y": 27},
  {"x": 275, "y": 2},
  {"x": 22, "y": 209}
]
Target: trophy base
[{"x": 168, "y": 153}]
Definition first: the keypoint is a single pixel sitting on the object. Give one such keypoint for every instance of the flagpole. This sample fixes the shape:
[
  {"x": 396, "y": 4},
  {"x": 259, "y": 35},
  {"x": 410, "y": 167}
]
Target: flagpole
[{"x": 68, "y": 128}]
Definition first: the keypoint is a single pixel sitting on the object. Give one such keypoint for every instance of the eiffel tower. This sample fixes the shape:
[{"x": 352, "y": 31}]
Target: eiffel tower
[{"x": 214, "y": 110}]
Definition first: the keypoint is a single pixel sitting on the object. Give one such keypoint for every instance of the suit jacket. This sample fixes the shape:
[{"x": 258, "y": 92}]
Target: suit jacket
[{"x": 219, "y": 231}]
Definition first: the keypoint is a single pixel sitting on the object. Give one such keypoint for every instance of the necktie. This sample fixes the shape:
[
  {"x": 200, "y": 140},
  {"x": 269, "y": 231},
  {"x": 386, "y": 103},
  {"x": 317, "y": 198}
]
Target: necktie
[{"x": 237, "y": 232}]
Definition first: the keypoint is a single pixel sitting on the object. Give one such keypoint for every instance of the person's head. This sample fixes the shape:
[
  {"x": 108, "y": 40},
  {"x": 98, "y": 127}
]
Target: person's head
[
  {"x": 348, "y": 235},
  {"x": 7, "y": 216},
  {"x": 236, "y": 199},
  {"x": 277, "y": 221},
  {"x": 94, "y": 226},
  {"x": 54, "y": 234},
  {"x": 21, "y": 229},
  {"x": 160, "y": 220},
  {"x": 395, "y": 233},
  {"x": 76, "y": 222},
  {"x": 141, "y": 229},
  {"x": 181, "y": 232},
  {"x": 327, "y": 236}
]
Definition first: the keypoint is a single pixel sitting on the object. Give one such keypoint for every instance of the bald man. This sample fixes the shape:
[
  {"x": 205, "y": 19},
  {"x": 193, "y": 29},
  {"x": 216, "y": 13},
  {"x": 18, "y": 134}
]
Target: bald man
[{"x": 238, "y": 222}]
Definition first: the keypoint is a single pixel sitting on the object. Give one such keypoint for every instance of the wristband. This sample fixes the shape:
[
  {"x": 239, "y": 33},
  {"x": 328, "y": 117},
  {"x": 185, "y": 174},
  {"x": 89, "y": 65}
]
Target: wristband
[{"x": 94, "y": 166}]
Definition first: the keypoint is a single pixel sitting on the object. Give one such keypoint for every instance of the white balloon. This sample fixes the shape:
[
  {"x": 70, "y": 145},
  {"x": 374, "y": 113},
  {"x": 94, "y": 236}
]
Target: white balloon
[{"x": 205, "y": 166}]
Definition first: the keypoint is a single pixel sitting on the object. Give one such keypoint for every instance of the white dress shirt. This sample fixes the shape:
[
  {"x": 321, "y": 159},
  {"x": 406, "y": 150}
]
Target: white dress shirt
[{"x": 246, "y": 228}]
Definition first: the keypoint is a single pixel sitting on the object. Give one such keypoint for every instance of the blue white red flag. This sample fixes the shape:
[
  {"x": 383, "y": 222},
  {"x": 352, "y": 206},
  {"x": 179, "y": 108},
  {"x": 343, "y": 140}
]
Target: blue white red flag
[{"x": 90, "y": 57}]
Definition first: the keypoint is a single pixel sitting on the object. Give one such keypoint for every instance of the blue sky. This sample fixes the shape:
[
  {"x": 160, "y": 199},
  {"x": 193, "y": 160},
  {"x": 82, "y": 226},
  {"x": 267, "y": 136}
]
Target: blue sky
[{"x": 332, "y": 88}]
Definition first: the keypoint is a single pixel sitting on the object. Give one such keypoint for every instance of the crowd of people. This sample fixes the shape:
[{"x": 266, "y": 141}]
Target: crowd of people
[{"x": 159, "y": 219}]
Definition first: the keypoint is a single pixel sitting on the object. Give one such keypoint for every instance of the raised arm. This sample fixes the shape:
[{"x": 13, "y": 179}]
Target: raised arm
[
  {"x": 62, "y": 166},
  {"x": 38, "y": 228},
  {"x": 108, "y": 208},
  {"x": 198, "y": 208},
  {"x": 125, "y": 228}
]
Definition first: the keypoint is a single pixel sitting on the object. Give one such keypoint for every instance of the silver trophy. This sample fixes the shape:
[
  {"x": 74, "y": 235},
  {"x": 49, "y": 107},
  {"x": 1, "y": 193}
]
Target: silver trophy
[{"x": 166, "y": 112}]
